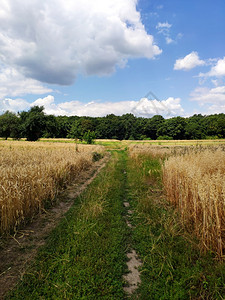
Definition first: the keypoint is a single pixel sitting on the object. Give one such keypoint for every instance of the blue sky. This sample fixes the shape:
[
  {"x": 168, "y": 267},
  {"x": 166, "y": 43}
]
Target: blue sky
[{"x": 99, "y": 57}]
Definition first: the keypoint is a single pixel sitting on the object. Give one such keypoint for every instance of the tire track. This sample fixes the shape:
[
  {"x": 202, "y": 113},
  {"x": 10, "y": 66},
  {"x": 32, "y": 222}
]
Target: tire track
[{"x": 132, "y": 278}]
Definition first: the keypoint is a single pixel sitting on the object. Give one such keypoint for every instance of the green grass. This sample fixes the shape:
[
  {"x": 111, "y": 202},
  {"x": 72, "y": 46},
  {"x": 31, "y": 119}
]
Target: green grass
[
  {"x": 173, "y": 267},
  {"x": 85, "y": 255},
  {"x": 110, "y": 145}
]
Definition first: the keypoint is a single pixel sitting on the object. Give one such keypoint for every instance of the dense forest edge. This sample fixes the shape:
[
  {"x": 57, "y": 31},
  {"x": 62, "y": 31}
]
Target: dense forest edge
[{"x": 35, "y": 124}]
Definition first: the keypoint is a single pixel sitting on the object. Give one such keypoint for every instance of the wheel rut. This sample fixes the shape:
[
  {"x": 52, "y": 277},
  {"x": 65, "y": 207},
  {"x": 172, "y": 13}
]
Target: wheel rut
[{"x": 132, "y": 278}]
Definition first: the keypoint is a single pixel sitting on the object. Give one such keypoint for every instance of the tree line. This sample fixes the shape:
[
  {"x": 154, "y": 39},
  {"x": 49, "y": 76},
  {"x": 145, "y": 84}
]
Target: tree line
[{"x": 35, "y": 124}]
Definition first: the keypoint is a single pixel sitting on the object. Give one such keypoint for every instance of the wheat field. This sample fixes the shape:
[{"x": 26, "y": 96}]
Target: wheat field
[
  {"x": 32, "y": 173},
  {"x": 195, "y": 184}
]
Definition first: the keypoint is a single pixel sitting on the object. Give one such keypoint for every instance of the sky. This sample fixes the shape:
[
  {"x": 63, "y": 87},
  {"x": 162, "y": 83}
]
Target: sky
[{"x": 93, "y": 58}]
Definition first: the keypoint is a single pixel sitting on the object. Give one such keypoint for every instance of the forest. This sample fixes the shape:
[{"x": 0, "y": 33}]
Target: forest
[{"x": 35, "y": 124}]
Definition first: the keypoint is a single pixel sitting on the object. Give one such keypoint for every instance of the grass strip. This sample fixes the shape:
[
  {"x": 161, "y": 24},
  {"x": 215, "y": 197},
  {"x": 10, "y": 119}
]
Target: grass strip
[
  {"x": 84, "y": 257},
  {"x": 173, "y": 267}
]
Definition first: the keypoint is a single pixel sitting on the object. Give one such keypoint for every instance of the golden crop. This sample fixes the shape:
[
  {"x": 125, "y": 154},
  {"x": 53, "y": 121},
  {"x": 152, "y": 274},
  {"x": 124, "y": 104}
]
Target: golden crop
[
  {"x": 31, "y": 174},
  {"x": 195, "y": 183}
]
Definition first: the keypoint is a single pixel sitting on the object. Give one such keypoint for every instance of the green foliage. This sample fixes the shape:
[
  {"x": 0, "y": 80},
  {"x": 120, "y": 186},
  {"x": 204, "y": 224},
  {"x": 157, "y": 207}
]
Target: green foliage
[
  {"x": 164, "y": 137},
  {"x": 64, "y": 125},
  {"x": 89, "y": 137},
  {"x": 152, "y": 125},
  {"x": 34, "y": 122},
  {"x": 51, "y": 127},
  {"x": 9, "y": 125},
  {"x": 174, "y": 127},
  {"x": 75, "y": 131}
]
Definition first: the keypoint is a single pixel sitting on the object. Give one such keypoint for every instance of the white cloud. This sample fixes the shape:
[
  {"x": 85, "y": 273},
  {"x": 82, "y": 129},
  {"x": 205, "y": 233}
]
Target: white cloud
[
  {"x": 162, "y": 26},
  {"x": 13, "y": 105},
  {"x": 169, "y": 107},
  {"x": 215, "y": 96},
  {"x": 216, "y": 109},
  {"x": 164, "y": 29},
  {"x": 189, "y": 62},
  {"x": 215, "y": 82},
  {"x": 54, "y": 40},
  {"x": 14, "y": 84},
  {"x": 144, "y": 107},
  {"x": 218, "y": 70},
  {"x": 169, "y": 40}
]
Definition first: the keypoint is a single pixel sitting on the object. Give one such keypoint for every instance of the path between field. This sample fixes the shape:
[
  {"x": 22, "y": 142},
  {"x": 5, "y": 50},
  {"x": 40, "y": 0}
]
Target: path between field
[
  {"x": 92, "y": 253},
  {"x": 21, "y": 248},
  {"x": 132, "y": 278}
]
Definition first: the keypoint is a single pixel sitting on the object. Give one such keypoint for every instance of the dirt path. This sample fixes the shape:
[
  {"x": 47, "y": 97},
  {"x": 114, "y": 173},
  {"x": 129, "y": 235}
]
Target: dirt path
[
  {"x": 19, "y": 251},
  {"x": 133, "y": 277}
]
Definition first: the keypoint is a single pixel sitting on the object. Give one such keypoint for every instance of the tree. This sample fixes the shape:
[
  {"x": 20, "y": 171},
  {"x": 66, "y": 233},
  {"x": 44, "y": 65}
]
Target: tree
[
  {"x": 152, "y": 125},
  {"x": 174, "y": 127},
  {"x": 9, "y": 125},
  {"x": 51, "y": 127},
  {"x": 129, "y": 125},
  {"x": 34, "y": 123},
  {"x": 221, "y": 125},
  {"x": 194, "y": 128},
  {"x": 89, "y": 137},
  {"x": 215, "y": 125},
  {"x": 63, "y": 126},
  {"x": 76, "y": 131},
  {"x": 86, "y": 124}
]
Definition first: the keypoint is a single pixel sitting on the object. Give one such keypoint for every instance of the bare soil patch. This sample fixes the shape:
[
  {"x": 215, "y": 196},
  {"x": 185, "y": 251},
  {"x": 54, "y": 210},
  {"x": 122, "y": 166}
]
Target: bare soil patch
[
  {"x": 19, "y": 250},
  {"x": 133, "y": 277}
]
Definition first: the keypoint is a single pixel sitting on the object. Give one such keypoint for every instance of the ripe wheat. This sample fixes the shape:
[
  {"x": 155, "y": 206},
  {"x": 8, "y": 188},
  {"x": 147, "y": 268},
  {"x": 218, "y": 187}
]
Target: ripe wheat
[
  {"x": 31, "y": 174},
  {"x": 195, "y": 183}
]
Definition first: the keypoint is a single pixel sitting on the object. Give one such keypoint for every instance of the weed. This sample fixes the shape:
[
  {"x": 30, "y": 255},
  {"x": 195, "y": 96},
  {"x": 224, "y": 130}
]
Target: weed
[{"x": 96, "y": 156}]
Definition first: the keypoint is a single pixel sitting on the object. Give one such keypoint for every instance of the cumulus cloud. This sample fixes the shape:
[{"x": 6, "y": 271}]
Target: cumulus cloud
[
  {"x": 148, "y": 108},
  {"x": 13, "y": 105},
  {"x": 144, "y": 107},
  {"x": 217, "y": 70},
  {"x": 189, "y": 62},
  {"x": 215, "y": 109},
  {"x": 54, "y": 40},
  {"x": 14, "y": 84},
  {"x": 203, "y": 95}
]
